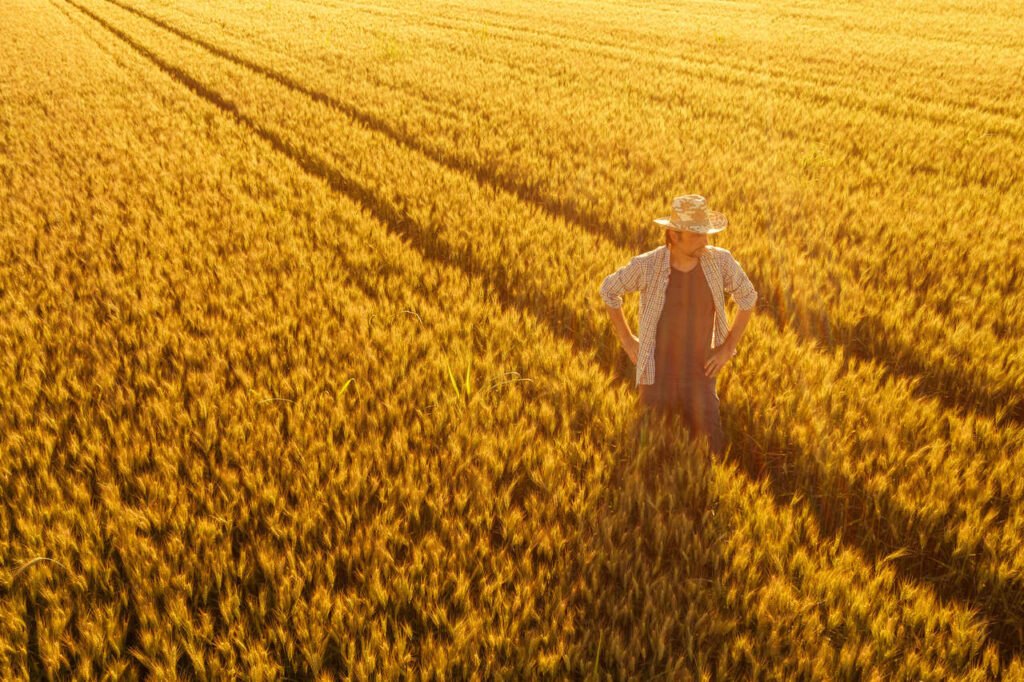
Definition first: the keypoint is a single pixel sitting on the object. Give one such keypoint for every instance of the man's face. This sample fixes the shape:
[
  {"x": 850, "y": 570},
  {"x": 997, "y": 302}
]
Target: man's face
[{"x": 690, "y": 243}]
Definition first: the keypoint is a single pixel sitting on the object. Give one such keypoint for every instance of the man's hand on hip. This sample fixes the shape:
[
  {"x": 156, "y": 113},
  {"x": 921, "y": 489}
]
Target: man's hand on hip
[{"x": 716, "y": 361}]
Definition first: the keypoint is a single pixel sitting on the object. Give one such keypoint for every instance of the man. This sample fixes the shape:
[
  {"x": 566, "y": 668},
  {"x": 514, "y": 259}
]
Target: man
[{"x": 684, "y": 337}]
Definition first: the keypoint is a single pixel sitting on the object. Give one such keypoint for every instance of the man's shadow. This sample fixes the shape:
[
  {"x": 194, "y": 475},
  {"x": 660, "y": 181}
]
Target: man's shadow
[{"x": 651, "y": 557}]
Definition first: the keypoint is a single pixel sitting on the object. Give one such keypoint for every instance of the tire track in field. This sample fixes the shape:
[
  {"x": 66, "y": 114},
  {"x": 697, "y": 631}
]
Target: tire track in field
[
  {"x": 798, "y": 88},
  {"x": 794, "y": 89},
  {"x": 865, "y": 340},
  {"x": 445, "y": 110},
  {"x": 789, "y": 94},
  {"x": 797, "y": 83},
  {"x": 937, "y": 554},
  {"x": 612, "y": 52}
]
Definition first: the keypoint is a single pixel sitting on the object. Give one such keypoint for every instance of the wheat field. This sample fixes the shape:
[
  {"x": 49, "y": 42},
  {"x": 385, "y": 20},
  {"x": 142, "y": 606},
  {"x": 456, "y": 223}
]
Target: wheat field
[{"x": 305, "y": 374}]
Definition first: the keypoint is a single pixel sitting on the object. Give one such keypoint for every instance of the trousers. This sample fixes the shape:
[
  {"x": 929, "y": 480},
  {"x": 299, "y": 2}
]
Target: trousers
[{"x": 695, "y": 399}]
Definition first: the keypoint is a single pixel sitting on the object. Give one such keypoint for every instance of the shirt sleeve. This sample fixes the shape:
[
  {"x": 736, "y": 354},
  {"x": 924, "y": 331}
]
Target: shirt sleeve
[
  {"x": 627, "y": 278},
  {"x": 738, "y": 285}
]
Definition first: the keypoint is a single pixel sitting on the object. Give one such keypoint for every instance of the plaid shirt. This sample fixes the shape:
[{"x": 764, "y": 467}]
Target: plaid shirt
[{"x": 649, "y": 272}]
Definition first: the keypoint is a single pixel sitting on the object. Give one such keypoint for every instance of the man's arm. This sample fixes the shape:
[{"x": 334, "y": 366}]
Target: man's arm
[
  {"x": 627, "y": 278},
  {"x": 739, "y": 325},
  {"x": 741, "y": 289},
  {"x": 622, "y": 329}
]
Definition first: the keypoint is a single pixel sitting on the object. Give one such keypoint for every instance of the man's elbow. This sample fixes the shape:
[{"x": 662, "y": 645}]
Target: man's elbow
[
  {"x": 610, "y": 298},
  {"x": 612, "y": 303}
]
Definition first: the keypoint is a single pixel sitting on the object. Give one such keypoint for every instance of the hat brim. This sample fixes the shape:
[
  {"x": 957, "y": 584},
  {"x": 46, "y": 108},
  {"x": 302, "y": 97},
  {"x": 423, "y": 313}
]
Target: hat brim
[{"x": 717, "y": 220}]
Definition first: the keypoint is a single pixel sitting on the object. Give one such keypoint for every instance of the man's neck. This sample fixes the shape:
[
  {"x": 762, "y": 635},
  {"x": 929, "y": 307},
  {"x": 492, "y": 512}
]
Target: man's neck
[{"x": 682, "y": 261}]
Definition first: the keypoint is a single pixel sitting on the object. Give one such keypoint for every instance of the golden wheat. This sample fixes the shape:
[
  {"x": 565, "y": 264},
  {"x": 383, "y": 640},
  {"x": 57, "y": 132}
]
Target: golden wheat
[{"x": 295, "y": 394}]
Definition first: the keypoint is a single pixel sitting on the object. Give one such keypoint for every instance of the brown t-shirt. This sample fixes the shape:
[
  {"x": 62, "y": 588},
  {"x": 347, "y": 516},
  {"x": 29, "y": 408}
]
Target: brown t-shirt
[{"x": 683, "y": 341}]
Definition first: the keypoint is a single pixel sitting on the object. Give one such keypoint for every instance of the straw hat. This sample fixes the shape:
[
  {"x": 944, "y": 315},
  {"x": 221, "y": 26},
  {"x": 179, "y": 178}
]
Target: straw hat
[{"x": 690, "y": 213}]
